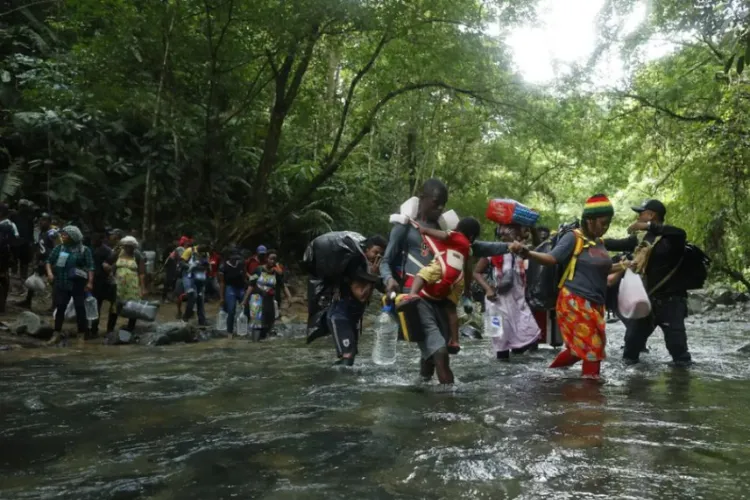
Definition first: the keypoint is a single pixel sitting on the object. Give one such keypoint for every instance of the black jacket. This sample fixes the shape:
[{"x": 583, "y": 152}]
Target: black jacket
[{"x": 665, "y": 256}]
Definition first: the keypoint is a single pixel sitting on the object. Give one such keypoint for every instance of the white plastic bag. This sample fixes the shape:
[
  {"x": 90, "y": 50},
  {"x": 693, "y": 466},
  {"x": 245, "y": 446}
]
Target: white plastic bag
[
  {"x": 35, "y": 283},
  {"x": 632, "y": 301},
  {"x": 70, "y": 311}
]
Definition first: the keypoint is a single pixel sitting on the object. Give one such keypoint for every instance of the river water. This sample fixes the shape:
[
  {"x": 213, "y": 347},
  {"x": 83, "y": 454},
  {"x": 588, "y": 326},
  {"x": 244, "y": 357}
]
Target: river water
[{"x": 231, "y": 419}]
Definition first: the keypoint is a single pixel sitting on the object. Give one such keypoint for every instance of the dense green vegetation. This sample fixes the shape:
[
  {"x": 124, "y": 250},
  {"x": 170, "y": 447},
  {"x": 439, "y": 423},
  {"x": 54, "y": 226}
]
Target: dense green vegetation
[{"x": 279, "y": 120}]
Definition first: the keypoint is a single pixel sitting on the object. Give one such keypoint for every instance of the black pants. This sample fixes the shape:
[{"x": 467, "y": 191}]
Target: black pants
[
  {"x": 102, "y": 292},
  {"x": 24, "y": 254},
  {"x": 61, "y": 299},
  {"x": 112, "y": 320},
  {"x": 669, "y": 314},
  {"x": 345, "y": 325}
]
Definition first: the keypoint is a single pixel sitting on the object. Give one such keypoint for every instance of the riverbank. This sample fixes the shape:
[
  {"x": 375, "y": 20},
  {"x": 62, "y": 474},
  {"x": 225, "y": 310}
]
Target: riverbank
[{"x": 294, "y": 315}]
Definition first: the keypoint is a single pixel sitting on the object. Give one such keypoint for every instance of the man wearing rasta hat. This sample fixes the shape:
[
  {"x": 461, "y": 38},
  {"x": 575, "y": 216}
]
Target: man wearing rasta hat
[{"x": 658, "y": 249}]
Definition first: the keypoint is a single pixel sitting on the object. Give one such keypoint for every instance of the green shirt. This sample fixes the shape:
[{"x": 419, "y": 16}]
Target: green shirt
[{"x": 65, "y": 261}]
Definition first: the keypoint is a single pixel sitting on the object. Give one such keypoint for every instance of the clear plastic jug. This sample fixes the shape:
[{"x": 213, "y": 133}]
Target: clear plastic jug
[
  {"x": 386, "y": 337},
  {"x": 221, "y": 321},
  {"x": 92, "y": 307},
  {"x": 240, "y": 325}
]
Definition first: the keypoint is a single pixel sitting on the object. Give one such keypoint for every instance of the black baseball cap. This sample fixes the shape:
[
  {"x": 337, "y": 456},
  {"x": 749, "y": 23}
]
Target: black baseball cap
[{"x": 654, "y": 206}]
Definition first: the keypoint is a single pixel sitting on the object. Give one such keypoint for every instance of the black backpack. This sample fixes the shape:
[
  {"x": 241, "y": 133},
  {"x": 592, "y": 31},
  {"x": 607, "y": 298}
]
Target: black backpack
[
  {"x": 542, "y": 282},
  {"x": 694, "y": 268}
]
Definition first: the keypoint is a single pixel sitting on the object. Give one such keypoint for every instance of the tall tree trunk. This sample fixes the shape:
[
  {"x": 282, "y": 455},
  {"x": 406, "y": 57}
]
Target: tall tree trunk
[{"x": 147, "y": 190}]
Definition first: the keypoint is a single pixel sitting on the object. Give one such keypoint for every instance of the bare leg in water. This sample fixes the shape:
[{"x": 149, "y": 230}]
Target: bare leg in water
[
  {"x": 442, "y": 366},
  {"x": 427, "y": 369}
]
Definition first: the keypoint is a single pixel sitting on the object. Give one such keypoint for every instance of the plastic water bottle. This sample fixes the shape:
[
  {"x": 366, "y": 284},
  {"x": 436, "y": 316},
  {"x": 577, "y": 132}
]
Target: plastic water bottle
[
  {"x": 386, "y": 337},
  {"x": 240, "y": 325},
  {"x": 221, "y": 321},
  {"x": 92, "y": 308}
]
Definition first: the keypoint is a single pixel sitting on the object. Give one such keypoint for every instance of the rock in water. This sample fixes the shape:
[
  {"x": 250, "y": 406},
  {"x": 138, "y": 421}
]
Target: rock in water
[
  {"x": 726, "y": 298},
  {"x": 27, "y": 323},
  {"x": 697, "y": 304},
  {"x": 745, "y": 349},
  {"x": 470, "y": 332},
  {"x": 167, "y": 333}
]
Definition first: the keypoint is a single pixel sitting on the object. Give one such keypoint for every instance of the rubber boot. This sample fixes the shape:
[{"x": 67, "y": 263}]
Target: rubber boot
[
  {"x": 565, "y": 358},
  {"x": 591, "y": 369}
]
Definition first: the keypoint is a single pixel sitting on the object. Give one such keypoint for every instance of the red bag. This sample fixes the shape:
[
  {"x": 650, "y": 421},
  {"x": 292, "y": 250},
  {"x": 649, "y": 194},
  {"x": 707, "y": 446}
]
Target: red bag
[{"x": 501, "y": 211}]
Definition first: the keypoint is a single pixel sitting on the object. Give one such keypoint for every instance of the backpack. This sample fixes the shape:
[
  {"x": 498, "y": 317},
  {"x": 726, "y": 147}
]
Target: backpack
[
  {"x": 695, "y": 264},
  {"x": 692, "y": 269},
  {"x": 451, "y": 266},
  {"x": 544, "y": 282}
]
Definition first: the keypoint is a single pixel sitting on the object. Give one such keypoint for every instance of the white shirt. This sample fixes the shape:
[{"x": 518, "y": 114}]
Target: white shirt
[{"x": 13, "y": 225}]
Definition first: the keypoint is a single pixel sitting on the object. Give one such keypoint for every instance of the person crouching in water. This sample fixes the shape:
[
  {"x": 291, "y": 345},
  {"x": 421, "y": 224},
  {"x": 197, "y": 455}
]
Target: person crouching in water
[
  {"x": 344, "y": 319},
  {"x": 444, "y": 277},
  {"x": 506, "y": 309},
  {"x": 583, "y": 288}
]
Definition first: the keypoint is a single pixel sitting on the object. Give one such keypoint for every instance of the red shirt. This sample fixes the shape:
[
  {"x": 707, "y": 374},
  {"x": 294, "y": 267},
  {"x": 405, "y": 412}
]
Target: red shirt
[
  {"x": 458, "y": 242},
  {"x": 213, "y": 264},
  {"x": 253, "y": 263}
]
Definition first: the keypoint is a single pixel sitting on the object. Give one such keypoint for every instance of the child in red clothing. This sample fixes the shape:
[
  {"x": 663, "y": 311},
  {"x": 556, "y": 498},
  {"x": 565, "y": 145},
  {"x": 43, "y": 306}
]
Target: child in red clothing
[{"x": 444, "y": 278}]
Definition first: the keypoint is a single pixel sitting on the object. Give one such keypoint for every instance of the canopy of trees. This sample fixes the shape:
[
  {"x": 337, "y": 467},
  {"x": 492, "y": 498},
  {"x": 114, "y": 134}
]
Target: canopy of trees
[{"x": 278, "y": 120}]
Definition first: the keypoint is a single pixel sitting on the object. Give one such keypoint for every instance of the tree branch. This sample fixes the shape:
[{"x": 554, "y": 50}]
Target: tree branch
[
  {"x": 299, "y": 72},
  {"x": 735, "y": 275},
  {"x": 713, "y": 48},
  {"x": 350, "y": 95},
  {"x": 26, "y": 6},
  {"x": 692, "y": 118},
  {"x": 334, "y": 163}
]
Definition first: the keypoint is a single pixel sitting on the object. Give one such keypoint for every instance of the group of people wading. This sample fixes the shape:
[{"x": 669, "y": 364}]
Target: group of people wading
[{"x": 654, "y": 250}]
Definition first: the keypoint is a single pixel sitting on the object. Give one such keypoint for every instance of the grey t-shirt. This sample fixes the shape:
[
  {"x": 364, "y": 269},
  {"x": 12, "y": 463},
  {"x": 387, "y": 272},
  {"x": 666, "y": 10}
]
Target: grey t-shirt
[{"x": 592, "y": 268}]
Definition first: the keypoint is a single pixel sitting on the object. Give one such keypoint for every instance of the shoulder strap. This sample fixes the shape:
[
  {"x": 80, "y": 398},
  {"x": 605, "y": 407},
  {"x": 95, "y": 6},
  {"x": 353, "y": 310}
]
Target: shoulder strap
[
  {"x": 667, "y": 277},
  {"x": 581, "y": 243}
]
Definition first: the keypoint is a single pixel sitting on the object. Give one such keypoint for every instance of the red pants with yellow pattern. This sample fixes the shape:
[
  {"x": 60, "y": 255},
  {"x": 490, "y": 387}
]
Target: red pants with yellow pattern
[{"x": 582, "y": 327}]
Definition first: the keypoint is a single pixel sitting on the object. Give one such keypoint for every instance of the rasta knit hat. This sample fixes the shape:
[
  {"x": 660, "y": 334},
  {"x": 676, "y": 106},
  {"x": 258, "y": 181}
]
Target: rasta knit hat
[{"x": 598, "y": 206}]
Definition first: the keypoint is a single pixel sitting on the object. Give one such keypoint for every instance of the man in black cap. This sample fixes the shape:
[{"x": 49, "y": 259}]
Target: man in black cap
[{"x": 658, "y": 252}]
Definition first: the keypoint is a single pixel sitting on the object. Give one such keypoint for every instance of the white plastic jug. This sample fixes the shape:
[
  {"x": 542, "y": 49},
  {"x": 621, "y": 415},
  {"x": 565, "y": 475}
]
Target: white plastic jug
[
  {"x": 448, "y": 221},
  {"x": 632, "y": 301}
]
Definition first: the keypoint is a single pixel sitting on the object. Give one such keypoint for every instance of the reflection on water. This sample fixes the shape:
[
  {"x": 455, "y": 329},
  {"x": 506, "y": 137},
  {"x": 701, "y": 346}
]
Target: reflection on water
[{"x": 230, "y": 419}]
